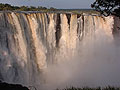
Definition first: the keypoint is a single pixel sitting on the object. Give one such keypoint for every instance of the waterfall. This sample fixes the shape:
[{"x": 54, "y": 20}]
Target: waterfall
[{"x": 30, "y": 42}]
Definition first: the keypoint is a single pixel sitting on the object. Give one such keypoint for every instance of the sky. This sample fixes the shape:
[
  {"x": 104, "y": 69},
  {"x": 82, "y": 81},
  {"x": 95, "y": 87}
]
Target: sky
[{"x": 60, "y": 4}]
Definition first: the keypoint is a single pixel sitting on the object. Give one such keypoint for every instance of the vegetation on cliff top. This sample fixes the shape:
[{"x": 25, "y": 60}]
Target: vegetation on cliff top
[{"x": 6, "y": 7}]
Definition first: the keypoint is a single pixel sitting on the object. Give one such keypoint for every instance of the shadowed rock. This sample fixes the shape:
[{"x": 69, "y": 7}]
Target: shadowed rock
[{"x": 6, "y": 86}]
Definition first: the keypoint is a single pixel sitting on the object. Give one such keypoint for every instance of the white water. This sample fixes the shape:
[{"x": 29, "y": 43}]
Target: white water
[{"x": 37, "y": 49}]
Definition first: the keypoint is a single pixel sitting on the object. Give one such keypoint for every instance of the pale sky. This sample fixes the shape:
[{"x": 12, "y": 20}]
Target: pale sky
[{"x": 67, "y": 4}]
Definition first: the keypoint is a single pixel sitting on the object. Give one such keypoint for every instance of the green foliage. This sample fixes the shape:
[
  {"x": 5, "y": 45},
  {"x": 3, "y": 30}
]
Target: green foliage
[
  {"x": 107, "y": 7},
  {"x": 23, "y": 8},
  {"x": 4, "y": 7},
  {"x": 52, "y": 9}
]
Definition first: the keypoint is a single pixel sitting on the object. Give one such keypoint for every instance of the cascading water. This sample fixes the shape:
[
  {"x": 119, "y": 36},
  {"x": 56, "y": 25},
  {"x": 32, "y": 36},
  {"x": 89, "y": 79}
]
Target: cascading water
[{"x": 32, "y": 43}]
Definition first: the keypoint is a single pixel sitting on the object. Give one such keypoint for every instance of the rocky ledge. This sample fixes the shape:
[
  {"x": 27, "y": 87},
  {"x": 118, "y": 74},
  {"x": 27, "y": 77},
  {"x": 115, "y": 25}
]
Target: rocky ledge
[{"x": 6, "y": 86}]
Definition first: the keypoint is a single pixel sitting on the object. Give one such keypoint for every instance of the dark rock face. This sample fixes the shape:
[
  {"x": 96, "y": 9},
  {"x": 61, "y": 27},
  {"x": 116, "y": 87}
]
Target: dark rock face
[
  {"x": 116, "y": 30},
  {"x": 58, "y": 29},
  {"x": 68, "y": 17},
  {"x": 6, "y": 86},
  {"x": 78, "y": 15}
]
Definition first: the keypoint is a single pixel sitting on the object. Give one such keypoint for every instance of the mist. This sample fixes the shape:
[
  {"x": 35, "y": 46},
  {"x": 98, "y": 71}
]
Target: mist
[{"x": 96, "y": 63}]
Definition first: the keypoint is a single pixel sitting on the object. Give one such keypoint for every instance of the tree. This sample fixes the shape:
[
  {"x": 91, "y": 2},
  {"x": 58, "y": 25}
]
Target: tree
[
  {"x": 5, "y": 7},
  {"x": 32, "y": 8},
  {"x": 107, "y": 7},
  {"x": 52, "y": 9},
  {"x": 24, "y": 8}
]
